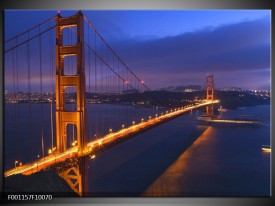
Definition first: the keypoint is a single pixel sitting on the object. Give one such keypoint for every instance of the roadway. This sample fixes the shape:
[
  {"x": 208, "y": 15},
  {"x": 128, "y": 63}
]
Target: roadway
[{"x": 135, "y": 128}]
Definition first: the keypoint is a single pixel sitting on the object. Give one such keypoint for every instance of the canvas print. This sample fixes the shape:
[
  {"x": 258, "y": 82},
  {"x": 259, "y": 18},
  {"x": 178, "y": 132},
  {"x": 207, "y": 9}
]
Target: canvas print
[{"x": 137, "y": 103}]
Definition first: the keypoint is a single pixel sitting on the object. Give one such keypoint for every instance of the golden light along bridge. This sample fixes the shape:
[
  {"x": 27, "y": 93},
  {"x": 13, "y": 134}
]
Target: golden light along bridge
[
  {"x": 45, "y": 162},
  {"x": 50, "y": 56}
]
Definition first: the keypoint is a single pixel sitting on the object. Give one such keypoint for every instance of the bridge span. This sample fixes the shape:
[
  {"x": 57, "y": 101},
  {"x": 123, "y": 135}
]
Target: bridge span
[
  {"x": 101, "y": 72},
  {"x": 110, "y": 138}
]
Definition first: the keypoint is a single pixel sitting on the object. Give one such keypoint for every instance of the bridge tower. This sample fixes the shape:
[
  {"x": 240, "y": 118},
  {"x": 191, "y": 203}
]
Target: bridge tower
[
  {"x": 63, "y": 117},
  {"x": 210, "y": 94},
  {"x": 75, "y": 176}
]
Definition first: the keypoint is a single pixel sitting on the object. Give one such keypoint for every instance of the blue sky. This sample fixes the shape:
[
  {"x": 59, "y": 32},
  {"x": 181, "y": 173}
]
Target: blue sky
[{"x": 179, "y": 47}]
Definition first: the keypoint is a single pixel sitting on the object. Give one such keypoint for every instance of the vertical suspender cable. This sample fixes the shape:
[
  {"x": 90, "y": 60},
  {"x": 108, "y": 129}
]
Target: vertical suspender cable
[
  {"x": 119, "y": 93},
  {"x": 41, "y": 93},
  {"x": 89, "y": 61},
  {"x": 51, "y": 82},
  {"x": 102, "y": 90},
  {"x": 29, "y": 96},
  {"x": 114, "y": 78},
  {"x": 16, "y": 105},
  {"x": 96, "y": 90},
  {"x": 89, "y": 66},
  {"x": 18, "y": 114},
  {"x": 109, "y": 122},
  {"x": 70, "y": 69}
]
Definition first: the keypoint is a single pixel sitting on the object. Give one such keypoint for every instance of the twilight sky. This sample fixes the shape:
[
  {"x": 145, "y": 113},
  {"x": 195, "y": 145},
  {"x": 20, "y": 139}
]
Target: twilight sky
[{"x": 179, "y": 47}]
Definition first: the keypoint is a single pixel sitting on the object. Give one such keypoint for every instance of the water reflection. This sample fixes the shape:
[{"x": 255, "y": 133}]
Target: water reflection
[{"x": 171, "y": 182}]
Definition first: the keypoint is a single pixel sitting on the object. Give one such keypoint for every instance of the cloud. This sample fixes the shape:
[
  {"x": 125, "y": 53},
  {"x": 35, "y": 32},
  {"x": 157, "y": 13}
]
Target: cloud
[
  {"x": 237, "y": 47},
  {"x": 233, "y": 49}
]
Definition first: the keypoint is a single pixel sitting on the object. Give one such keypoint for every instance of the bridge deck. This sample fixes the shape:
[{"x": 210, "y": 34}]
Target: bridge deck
[{"x": 52, "y": 159}]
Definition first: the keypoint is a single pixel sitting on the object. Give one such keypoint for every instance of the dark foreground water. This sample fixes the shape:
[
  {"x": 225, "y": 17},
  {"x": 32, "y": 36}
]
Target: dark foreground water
[
  {"x": 182, "y": 157},
  {"x": 185, "y": 158}
]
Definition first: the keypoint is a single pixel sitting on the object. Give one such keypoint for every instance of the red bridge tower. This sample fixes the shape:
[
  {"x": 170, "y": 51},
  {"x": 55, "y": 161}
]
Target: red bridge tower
[{"x": 210, "y": 94}]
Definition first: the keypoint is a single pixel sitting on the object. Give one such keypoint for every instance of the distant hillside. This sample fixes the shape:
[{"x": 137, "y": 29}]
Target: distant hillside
[
  {"x": 235, "y": 99},
  {"x": 183, "y": 88}
]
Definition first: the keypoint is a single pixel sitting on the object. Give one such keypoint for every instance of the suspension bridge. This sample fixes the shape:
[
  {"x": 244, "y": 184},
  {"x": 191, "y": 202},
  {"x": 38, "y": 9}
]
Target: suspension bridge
[{"x": 46, "y": 64}]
